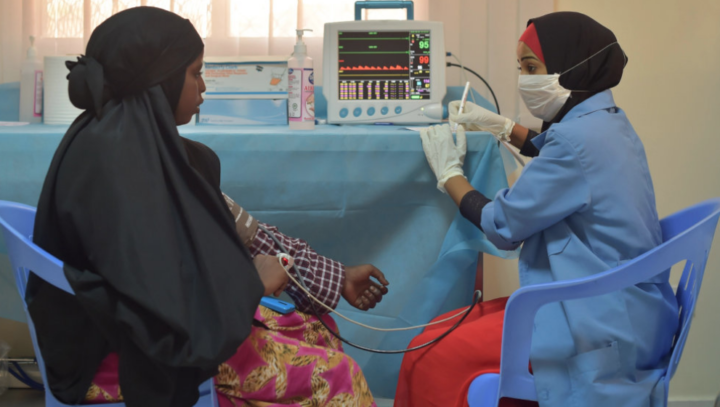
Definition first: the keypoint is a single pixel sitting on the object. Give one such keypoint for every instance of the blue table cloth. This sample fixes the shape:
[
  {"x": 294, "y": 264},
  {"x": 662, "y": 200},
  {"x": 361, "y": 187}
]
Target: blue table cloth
[
  {"x": 358, "y": 194},
  {"x": 9, "y": 102}
]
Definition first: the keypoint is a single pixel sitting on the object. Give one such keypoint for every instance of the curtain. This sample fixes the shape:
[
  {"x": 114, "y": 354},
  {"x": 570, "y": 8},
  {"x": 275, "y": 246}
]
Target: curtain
[
  {"x": 229, "y": 27},
  {"x": 483, "y": 33}
]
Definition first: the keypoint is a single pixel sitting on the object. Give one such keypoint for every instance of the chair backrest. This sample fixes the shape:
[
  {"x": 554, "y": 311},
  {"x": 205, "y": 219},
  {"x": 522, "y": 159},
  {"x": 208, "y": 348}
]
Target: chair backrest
[
  {"x": 17, "y": 222},
  {"x": 703, "y": 215},
  {"x": 687, "y": 236}
]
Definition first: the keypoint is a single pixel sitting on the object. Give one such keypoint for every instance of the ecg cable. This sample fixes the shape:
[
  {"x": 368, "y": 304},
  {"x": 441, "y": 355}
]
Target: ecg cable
[{"x": 306, "y": 290}]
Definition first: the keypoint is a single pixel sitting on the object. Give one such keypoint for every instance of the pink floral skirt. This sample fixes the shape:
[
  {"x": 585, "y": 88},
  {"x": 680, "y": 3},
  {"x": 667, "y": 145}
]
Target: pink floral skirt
[{"x": 295, "y": 362}]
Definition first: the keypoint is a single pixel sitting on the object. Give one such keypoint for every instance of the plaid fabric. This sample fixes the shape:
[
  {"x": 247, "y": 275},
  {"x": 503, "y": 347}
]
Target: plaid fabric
[{"x": 324, "y": 277}]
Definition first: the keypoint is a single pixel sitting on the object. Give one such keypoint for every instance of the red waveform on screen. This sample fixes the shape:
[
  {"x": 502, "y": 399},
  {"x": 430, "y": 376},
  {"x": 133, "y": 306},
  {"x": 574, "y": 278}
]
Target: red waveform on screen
[{"x": 373, "y": 68}]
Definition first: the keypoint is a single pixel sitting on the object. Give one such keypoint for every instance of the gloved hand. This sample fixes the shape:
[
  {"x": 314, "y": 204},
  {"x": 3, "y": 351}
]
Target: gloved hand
[
  {"x": 476, "y": 118},
  {"x": 443, "y": 154}
]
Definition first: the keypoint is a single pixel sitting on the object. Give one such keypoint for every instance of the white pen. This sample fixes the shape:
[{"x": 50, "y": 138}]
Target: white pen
[{"x": 462, "y": 103}]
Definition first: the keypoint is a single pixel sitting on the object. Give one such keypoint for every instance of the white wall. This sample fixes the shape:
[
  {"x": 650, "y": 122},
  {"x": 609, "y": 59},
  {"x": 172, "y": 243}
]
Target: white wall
[
  {"x": 670, "y": 92},
  {"x": 10, "y": 40}
]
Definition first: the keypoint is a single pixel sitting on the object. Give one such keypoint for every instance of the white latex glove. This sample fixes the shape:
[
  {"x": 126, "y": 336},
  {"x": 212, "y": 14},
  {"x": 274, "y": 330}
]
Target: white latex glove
[
  {"x": 443, "y": 154},
  {"x": 476, "y": 118}
]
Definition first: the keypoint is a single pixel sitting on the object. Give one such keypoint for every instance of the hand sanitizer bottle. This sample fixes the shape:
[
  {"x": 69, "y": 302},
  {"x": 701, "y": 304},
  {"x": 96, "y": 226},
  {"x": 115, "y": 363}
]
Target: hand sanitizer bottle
[
  {"x": 31, "y": 87},
  {"x": 301, "y": 87}
]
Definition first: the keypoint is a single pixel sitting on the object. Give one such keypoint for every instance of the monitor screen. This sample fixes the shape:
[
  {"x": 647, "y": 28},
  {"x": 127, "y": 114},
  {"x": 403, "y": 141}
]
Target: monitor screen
[{"x": 378, "y": 65}]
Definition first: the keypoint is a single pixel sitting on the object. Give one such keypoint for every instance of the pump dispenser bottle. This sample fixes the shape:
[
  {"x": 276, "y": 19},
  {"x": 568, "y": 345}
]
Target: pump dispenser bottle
[
  {"x": 301, "y": 87},
  {"x": 31, "y": 87}
]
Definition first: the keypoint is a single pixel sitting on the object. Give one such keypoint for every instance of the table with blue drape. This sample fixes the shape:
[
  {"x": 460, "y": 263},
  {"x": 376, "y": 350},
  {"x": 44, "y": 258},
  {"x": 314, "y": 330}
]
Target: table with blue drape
[{"x": 358, "y": 194}]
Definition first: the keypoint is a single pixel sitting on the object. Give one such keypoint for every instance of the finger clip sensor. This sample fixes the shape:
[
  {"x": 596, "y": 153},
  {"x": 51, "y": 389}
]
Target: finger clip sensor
[{"x": 285, "y": 260}]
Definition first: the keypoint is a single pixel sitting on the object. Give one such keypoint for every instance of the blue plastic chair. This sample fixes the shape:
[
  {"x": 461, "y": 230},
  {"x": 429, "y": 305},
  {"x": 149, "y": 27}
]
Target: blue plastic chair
[
  {"x": 17, "y": 222},
  {"x": 687, "y": 235}
]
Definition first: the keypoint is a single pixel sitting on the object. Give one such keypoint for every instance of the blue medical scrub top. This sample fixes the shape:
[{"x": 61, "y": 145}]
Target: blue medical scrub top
[{"x": 584, "y": 205}]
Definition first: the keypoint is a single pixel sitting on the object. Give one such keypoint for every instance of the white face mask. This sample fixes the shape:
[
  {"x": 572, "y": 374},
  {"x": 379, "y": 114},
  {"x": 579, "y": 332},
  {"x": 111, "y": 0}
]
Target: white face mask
[{"x": 543, "y": 95}]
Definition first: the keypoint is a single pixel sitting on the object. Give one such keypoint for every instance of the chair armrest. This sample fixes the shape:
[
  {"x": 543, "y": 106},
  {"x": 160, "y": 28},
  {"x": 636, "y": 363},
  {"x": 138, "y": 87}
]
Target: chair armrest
[{"x": 524, "y": 303}]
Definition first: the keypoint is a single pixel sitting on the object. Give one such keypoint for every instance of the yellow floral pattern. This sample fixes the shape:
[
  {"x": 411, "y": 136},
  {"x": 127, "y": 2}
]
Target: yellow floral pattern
[
  {"x": 280, "y": 355},
  {"x": 96, "y": 394}
]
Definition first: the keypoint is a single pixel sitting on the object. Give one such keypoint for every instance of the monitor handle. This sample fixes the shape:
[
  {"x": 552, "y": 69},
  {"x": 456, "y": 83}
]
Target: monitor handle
[{"x": 375, "y": 4}]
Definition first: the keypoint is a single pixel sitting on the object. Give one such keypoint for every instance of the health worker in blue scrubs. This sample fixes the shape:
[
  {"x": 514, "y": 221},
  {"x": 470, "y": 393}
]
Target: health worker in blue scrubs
[{"x": 583, "y": 205}]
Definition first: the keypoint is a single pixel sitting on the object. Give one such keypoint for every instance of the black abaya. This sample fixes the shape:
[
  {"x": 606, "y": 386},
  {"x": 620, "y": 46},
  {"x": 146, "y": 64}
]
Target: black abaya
[{"x": 136, "y": 214}]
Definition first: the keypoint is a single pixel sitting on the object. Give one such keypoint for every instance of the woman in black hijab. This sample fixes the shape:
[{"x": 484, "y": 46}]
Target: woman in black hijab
[
  {"x": 584, "y": 205},
  {"x": 163, "y": 281},
  {"x": 560, "y": 54},
  {"x": 149, "y": 247}
]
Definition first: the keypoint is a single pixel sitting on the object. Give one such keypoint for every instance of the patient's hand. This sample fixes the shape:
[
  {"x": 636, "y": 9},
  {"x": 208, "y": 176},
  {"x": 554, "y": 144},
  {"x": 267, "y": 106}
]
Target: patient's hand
[
  {"x": 359, "y": 290},
  {"x": 271, "y": 273}
]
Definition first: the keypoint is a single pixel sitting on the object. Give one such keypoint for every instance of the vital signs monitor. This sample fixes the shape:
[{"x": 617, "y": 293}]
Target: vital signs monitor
[{"x": 384, "y": 71}]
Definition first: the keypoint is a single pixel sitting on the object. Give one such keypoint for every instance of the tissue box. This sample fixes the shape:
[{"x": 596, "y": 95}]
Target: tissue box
[
  {"x": 263, "y": 77},
  {"x": 244, "y": 111}
]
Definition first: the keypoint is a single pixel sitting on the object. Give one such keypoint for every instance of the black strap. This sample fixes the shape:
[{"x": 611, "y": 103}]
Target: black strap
[
  {"x": 471, "y": 207},
  {"x": 528, "y": 149}
]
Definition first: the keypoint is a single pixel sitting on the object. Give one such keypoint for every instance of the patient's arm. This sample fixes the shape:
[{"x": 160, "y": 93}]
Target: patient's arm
[{"x": 323, "y": 276}]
